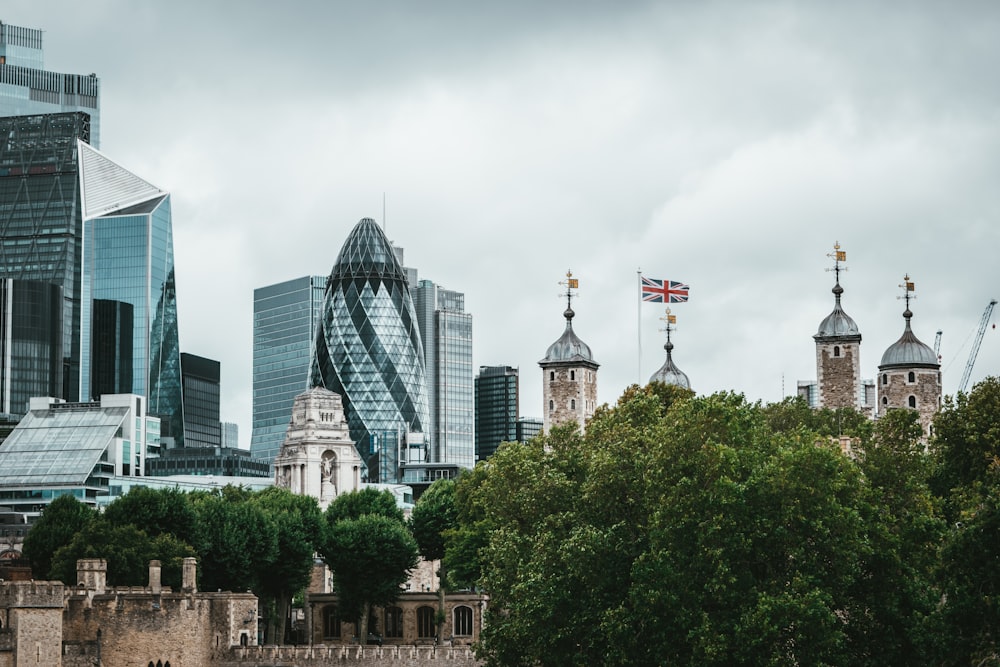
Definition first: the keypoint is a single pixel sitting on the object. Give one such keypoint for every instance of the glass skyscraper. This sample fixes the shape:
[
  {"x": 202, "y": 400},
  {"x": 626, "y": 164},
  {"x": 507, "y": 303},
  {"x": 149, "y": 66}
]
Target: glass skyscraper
[
  {"x": 26, "y": 88},
  {"x": 128, "y": 257},
  {"x": 368, "y": 346},
  {"x": 201, "y": 401},
  {"x": 284, "y": 328},
  {"x": 30, "y": 343},
  {"x": 41, "y": 231},
  {"x": 496, "y": 408},
  {"x": 446, "y": 334}
]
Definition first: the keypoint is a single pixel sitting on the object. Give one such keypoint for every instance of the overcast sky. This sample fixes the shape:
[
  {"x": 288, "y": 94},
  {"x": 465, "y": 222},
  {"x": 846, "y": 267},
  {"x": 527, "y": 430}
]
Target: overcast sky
[{"x": 727, "y": 145}]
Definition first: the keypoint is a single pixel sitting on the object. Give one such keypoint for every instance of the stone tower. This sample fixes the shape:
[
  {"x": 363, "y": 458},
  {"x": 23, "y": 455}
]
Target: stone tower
[
  {"x": 668, "y": 372},
  {"x": 318, "y": 457},
  {"x": 909, "y": 374},
  {"x": 838, "y": 350},
  {"x": 569, "y": 373}
]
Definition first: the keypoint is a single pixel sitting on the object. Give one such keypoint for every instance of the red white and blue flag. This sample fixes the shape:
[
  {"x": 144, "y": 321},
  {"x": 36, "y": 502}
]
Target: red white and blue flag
[{"x": 663, "y": 291}]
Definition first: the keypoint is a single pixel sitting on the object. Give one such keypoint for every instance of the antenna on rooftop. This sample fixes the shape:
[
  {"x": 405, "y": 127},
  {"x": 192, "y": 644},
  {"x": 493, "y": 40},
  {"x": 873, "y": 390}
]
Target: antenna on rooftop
[{"x": 384, "y": 228}]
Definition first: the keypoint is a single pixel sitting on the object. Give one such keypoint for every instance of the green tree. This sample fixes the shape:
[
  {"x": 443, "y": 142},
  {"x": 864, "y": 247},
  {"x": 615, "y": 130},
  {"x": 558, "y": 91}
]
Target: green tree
[
  {"x": 127, "y": 551},
  {"x": 236, "y": 541},
  {"x": 155, "y": 511},
  {"x": 61, "y": 519},
  {"x": 434, "y": 515},
  {"x": 466, "y": 542},
  {"x": 371, "y": 557},
  {"x": 299, "y": 524},
  {"x": 369, "y": 500}
]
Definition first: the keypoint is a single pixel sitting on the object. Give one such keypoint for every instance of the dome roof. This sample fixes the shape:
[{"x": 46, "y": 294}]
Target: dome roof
[
  {"x": 908, "y": 351},
  {"x": 569, "y": 348},
  {"x": 838, "y": 323},
  {"x": 669, "y": 373}
]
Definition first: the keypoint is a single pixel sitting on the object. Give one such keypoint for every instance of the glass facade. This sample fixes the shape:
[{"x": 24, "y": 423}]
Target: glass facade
[
  {"x": 30, "y": 343},
  {"x": 446, "y": 333},
  {"x": 284, "y": 326},
  {"x": 201, "y": 401},
  {"x": 26, "y": 88},
  {"x": 128, "y": 258},
  {"x": 41, "y": 232},
  {"x": 496, "y": 408},
  {"x": 368, "y": 346}
]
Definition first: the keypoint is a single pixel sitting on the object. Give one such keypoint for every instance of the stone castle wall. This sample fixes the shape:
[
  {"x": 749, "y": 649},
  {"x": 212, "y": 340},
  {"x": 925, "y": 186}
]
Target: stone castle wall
[
  {"x": 838, "y": 377},
  {"x": 363, "y": 656},
  {"x": 895, "y": 390}
]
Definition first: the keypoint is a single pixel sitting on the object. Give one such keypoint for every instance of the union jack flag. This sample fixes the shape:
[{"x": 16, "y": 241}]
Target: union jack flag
[{"x": 663, "y": 291}]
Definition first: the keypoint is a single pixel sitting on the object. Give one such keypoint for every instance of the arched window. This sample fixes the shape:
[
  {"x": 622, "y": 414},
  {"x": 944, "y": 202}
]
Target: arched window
[
  {"x": 885, "y": 401},
  {"x": 425, "y": 622},
  {"x": 331, "y": 622},
  {"x": 394, "y": 622},
  {"x": 911, "y": 377},
  {"x": 552, "y": 406},
  {"x": 463, "y": 622},
  {"x": 836, "y": 350},
  {"x": 552, "y": 376},
  {"x": 572, "y": 404},
  {"x": 912, "y": 400},
  {"x": 572, "y": 375},
  {"x": 244, "y": 639},
  {"x": 885, "y": 378}
]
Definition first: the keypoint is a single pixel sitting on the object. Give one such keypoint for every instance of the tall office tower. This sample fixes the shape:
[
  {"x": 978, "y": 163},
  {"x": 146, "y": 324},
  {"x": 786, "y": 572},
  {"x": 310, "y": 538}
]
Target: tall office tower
[
  {"x": 368, "y": 346},
  {"x": 496, "y": 408},
  {"x": 26, "y": 88},
  {"x": 230, "y": 435},
  {"x": 41, "y": 231},
  {"x": 446, "y": 334},
  {"x": 30, "y": 343},
  {"x": 200, "y": 378},
  {"x": 284, "y": 326},
  {"x": 128, "y": 258}
]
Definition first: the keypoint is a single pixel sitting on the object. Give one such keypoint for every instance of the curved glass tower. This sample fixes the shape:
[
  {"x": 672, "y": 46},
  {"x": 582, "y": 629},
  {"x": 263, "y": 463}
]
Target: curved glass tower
[{"x": 368, "y": 346}]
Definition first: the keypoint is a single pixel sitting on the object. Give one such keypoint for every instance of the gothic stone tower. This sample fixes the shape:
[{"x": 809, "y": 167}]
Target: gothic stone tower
[
  {"x": 910, "y": 375},
  {"x": 838, "y": 351},
  {"x": 569, "y": 374}
]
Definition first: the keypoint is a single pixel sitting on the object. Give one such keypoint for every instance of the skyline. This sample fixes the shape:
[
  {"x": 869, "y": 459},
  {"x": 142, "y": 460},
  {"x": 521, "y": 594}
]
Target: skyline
[{"x": 725, "y": 145}]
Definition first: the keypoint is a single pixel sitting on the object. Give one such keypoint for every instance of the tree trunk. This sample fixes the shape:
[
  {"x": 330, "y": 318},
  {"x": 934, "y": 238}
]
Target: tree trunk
[
  {"x": 363, "y": 624},
  {"x": 441, "y": 618}
]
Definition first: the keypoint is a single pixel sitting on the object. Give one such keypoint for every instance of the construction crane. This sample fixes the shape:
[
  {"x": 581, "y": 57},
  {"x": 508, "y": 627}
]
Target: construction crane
[
  {"x": 937, "y": 345},
  {"x": 964, "y": 382}
]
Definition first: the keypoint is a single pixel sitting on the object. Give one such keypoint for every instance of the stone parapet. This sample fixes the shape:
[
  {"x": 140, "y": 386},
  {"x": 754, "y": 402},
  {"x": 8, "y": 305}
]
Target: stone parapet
[{"x": 320, "y": 655}]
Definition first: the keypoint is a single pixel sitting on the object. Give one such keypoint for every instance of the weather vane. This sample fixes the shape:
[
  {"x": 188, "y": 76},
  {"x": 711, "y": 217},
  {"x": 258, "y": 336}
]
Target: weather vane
[
  {"x": 571, "y": 284},
  {"x": 907, "y": 287},
  {"x": 669, "y": 319},
  {"x": 837, "y": 256}
]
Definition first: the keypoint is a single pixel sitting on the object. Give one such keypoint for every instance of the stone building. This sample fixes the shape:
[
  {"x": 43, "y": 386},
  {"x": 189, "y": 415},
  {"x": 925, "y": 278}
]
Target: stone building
[
  {"x": 318, "y": 457},
  {"x": 838, "y": 352},
  {"x": 909, "y": 374},
  {"x": 569, "y": 374}
]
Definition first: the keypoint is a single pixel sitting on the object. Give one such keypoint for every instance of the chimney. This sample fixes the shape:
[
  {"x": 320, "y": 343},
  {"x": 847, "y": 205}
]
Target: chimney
[
  {"x": 93, "y": 574},
  {"x": 154, "y": 577},
  {"x": 189, "y": 576}
]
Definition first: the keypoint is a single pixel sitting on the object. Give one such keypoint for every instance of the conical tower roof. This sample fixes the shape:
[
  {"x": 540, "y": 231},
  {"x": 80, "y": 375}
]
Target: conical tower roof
[
  {"x": 908, "y": 351},
  {"x": 669, "y": 373},
  {"x": 569, "y": 348},
  {"x": 838, "y": 324}
]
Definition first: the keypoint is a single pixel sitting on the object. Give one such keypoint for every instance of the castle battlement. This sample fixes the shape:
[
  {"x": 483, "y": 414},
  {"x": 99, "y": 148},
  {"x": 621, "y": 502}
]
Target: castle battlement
[
  {"x": 31, "y": 594},
  {"x": 317, "y": 655}
]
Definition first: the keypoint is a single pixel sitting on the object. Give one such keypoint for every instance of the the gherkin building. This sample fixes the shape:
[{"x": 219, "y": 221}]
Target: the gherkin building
[{"x": 368, "y": 346}]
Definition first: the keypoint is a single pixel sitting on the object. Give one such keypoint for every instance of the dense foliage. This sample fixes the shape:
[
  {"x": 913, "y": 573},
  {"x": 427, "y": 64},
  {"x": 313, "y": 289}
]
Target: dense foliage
[{"x": 688, "y": 530}]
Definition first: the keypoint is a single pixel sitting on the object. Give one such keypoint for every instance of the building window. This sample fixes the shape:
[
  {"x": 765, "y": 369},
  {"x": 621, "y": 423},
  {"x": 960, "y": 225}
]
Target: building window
[
  {"x": 911, "y": 377},
  {"x": 836, "y": 350},
  {"x": 885, "y": 378},
  {"x": 394, "y": 622},
  {"x": 572, "y": 376},
  {"x": 912, "y": 400},
  {"x": 463, "y": 622},
  {"x": 552, "y": 376},
  {"x": 331, "y": 622},
  {"x": 572, "y": 404},
  {"x": 425, "y": 622},
  {"x": 885, "y": 401},
  {"x": 552, "y": 406}
]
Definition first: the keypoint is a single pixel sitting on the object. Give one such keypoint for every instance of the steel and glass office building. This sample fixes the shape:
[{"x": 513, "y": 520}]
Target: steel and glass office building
[
  {"x": 368, "y": 347},
  {"x": 41, "y": 229},
  {"x": 496, "y": 408},
  {"x": 446, "y": 334},
  {"x": 201, "y": 391},
  {"x": 284, "y": 326},
  {"x": 27, "y": 88},
  {"x": 128, "y": 257},
  {"x": 30, "y": 343}
]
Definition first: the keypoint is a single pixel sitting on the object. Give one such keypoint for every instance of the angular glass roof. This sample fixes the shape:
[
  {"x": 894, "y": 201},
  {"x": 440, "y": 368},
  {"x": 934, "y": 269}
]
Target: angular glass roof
[
  {"x": 107, "y": 186},
  {"x": 58, "y": 446}
]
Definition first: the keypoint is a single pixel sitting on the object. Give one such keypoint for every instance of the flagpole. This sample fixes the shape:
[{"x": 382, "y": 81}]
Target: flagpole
[{"x": 638, "y": 325}]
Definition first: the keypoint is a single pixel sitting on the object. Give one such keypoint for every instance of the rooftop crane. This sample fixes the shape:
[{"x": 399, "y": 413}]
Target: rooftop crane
[
  {"x": 937, "y": 345},
  {"x": 964, "y": 382}
]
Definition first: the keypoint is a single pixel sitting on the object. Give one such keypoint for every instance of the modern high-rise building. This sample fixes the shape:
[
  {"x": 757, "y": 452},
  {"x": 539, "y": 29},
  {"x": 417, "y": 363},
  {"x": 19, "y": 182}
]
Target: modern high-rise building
[
  {"x": 41, "y": 233},
  {"x": 30, "y": 343},
  {"x": 446, "y": 334},
  {"x": 27, "y": 88},
  {"x": 230, "y": 435},
  {"x": 496, "y": 408},
  {"x": 284, "y": 327},
  {"x": 128, "y": 258},
  {"x": 368, "y": 347},
  {"x": 200, "y": 378}
]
